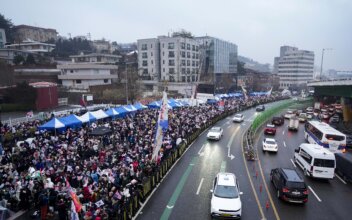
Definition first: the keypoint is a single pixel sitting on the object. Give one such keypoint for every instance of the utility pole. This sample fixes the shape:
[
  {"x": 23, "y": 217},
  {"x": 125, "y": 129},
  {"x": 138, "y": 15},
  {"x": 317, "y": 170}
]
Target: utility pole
[
  {"x": 126, "y": 83},
  {"x": 322, "y": 60}
]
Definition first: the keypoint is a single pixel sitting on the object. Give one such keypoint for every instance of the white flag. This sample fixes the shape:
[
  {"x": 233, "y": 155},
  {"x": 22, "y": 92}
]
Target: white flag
[{"x": 161, "y": 125}]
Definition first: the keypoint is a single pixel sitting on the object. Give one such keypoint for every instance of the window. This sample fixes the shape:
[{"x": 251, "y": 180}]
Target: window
[
  {"x": 71, "y": 71},
  {"x": 163, "y": 45},
  {"x": 324, "y": 163},
  {"x": 164, "y": 70},
  {"x": 193, "y": 63},
  {"x": 106, "y": 80},
  {"x": 144, "y": 47},
  {"x": 151, "y": 61},
  {"x": 193, "y": 55},
  {"x": 163, "y": 61},
  {"x": 145, "y": 63},
  {"x": 197, "y": 48},
  {"x": 188, "y": 71},
  {"x": 183, "y": 54},
  {"x": 78, "y": 81},
  {"x": 197, "y": 56},
  {"x": 171, "y": 70},
  {"x": 188, "y": 46},
  {"x": 183, "y": 46},
  {"x": 197, "y": 63},
  {"x": 188, "y": 62},
  {"x": 151, "y": 45},
  {"x": 188, "y": 78},
  {"x": 188, "y": 55},
  {"x": 144, "y": 55},
  {"x": 193, "y": 78},
  {"x": 145, "y": 71},
  {"x": 183, "y": 79},
  {"x": 183, "y": 62},
  {"x": 151, "y": 54},
  {"x": 163, "y": 53},
  {"x": 334, "y": 137},
  {"x": 171, "y": 54},
  {"x": 193, "y": 47},
  {"x": 305, "y": 156},
  {"x": 171, "y": 62},
  {"x": 171, "y": 46},
  {"x": 183, "y": 70}
]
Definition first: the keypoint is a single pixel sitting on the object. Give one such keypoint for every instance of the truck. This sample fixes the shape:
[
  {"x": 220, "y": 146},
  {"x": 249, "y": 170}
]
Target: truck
[
  {"x": 293, "y": 124},
  {"x": 343, "y": 166}
]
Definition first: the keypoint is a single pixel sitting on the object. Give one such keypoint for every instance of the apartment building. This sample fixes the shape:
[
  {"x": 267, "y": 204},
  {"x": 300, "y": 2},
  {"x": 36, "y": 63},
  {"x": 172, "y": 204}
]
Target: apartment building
[
  {"x": 294, "y": 67},
  {"x": 32, "y": 46}
]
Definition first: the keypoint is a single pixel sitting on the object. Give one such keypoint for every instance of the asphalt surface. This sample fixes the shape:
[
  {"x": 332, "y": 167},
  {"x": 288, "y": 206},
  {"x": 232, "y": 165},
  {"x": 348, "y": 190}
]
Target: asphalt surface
[{"x": 185, "y": 191}]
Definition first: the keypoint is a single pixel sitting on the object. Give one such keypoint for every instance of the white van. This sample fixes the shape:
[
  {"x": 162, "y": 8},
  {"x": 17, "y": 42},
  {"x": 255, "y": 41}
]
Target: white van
[{"x": 315, "y": 161}]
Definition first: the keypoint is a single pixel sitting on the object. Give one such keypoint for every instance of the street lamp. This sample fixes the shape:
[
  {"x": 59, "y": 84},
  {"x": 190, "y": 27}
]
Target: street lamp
[{"x": 322, "y": 60}]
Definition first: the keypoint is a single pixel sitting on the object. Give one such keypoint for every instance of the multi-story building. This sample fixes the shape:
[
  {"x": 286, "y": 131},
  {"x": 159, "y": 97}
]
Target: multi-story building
[
  {"x": 171, "y": 59},
  {"x": 294, "y": 67},
  {"x": 88, "y": 70},
  {"x": 219, "y": 58},
  {"x": 32, "y": 46},
  {"x": 24, "y": 32},
  {"x": 2, "y": 38}
]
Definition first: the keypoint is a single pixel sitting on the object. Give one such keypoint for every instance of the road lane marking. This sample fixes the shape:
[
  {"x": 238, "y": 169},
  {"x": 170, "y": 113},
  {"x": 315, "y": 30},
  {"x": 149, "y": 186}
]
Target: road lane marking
[
  {"x": 157, "y": 186},
  {"x": 284, "y": 144},
  {"x": 343, "y": 181},
  {"x": 316, "y": 196},
  {"x": 167, "y": 211},
  {"x": 230, "y": 143},
  {"x": 251, "y": 182},
  {"x": 293, "y": 163},
  {"x": 200, "y": 185},
  {"x": 283, "y": 132},
  {"x": 223, "y": 167},
  {"x": 229, "y": 126},
  {"x": 199, "y": 152}
]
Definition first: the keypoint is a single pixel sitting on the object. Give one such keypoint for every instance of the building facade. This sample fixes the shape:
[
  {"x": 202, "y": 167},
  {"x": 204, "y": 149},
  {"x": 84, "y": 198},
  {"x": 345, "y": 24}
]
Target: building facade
[
  {"x": 149, "y": 59},
  {"x": 24, "y": 32},
  {"x": 294, "y": 67},
  {"x": 2, "y": 38},
  {"x": 88, "y": 70},
  {"x": 32, "y": 46},
  {"x": 219, "y": 61}
]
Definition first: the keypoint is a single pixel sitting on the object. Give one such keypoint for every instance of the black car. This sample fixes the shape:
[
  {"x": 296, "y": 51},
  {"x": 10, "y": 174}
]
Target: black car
[
  {"x": 260, "y": 108},
  {"x": 278, "y": 120},
  {"x": 289, "y": 185}
]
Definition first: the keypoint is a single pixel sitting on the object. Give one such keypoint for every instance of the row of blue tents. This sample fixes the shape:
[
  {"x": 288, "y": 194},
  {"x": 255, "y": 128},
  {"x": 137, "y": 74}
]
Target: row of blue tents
[{"x": 74, "y": 121}]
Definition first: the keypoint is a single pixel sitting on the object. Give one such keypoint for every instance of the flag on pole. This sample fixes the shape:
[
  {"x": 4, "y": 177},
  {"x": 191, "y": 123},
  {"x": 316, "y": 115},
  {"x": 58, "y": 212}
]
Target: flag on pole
[
  {"x": 162, "y": 125},
  {"x": 74, "y": 214},
  {"x": 244, "y": 92},
  {"x": 75, "y": 199},
  {"x": 221, "y": 105},
  {"x": 82, "y": 102},
  {"x": 29, "y": 114},
  {"x": 268, "y": 93}
]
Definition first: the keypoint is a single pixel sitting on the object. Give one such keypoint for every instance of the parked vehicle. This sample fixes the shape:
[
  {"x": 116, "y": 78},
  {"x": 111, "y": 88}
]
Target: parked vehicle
[
  {"x": 278, "y": 121},
  {"x": 293, "y": 124},
  {"x": 343, "y": 165},
  {"x": 315, "y": 161},
  {"x": 238, "y": 118},
  {"x": 309, "y": 109},
  {"x": 270, "y": 129},
  {"x": 215, "y": 133},
  {"x": 225, "y": 197},
  {"x": 320, "y": 133},
  {"x": 260, "y": 108},
  {"x": 289, "y": 185},
  {"x": 270, "y": 144}
]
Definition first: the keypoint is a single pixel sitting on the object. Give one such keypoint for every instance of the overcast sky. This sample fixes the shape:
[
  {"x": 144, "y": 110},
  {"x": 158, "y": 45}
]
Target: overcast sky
[{"x": 258, "y": 27}]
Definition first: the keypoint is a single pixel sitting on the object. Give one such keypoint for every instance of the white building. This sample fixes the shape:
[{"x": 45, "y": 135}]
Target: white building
[
  {"x": 2, "y": 38},
  {"x": 294, "y": 67},
  {"x": 88, "y": 70},
  {"x": 171, "y": 59},
  {"x": 32, "y": 46}
]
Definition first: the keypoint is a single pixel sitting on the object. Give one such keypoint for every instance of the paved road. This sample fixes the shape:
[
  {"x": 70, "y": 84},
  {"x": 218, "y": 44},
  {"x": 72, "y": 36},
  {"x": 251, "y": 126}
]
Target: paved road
[
  {"x": 332, "y": 199},
  {"x": 185, "y": 192}
]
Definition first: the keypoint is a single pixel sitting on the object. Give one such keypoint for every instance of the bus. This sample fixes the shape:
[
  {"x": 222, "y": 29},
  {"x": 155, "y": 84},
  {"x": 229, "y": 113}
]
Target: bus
[{"x": 316, "y": 132}]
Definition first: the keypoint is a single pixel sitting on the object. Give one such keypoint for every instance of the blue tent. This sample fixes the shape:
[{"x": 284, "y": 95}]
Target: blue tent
[
  {"x": 122, "y": 111},
  {"x": 87, "y": 117},
  {"x": 71, "y": 121},
  {"x": 52, "y": 125},
  {"x": 155, "y": 104},
  {"x": 112, "y": 113},
  {"x": 130, "y": 108},
  {"x": 139, "y": 106}
]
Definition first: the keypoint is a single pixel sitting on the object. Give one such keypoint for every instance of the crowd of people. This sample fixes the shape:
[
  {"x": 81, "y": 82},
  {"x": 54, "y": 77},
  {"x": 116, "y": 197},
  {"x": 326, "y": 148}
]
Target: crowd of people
[{"x": 103, "y": 171}]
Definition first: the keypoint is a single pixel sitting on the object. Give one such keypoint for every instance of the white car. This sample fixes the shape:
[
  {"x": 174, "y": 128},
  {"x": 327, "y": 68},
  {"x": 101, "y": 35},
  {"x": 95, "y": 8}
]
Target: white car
[
  {"x": 269, "y": 144},
  {"x": 215, "y": 133},
  {"x": 238, "y": 118},
  {"x": 289, "y": 114},
  {"x": 225, "y": 197}
]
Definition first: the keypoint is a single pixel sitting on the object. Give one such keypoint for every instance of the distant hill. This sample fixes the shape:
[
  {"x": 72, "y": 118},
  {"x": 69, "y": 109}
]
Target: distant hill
[{"x": 254, "y": 65}]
